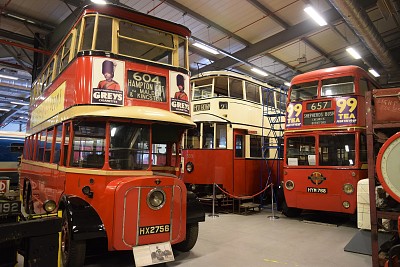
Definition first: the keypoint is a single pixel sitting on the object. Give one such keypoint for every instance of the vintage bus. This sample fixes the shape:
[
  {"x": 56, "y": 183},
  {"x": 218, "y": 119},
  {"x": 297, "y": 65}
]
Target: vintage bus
[
  {"x": 104, "y": 130},
  {"x": 325, "y": 142},
  {"x": 239, "y": 132},
  {"x": 11, "y": 147}
]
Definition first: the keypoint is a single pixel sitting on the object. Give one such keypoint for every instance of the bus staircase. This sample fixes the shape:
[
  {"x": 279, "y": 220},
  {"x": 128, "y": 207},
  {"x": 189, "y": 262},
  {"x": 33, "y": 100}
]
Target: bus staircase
[{"x": 273, "y": 138}]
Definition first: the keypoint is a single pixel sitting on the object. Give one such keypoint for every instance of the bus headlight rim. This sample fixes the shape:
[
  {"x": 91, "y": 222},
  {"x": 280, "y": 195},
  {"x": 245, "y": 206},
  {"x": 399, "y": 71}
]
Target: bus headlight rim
[
  {"x": 189, "y": 167},
  {"x": 156, "y": 199},
  {"x": 289, "y": 185},
  {"x": 49, "y": 205}
]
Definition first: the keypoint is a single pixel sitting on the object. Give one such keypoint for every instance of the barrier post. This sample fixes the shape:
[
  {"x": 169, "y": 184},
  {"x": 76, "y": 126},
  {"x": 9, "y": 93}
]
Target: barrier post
[
  {"x": 273, "y": 216},
  {"x": 213, "y": 204}
]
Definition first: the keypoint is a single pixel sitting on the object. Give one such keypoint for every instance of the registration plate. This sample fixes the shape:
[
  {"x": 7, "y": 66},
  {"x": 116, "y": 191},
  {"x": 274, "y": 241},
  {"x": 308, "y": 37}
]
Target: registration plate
[
  {"x": 317, "y": 190},
  {"x": 10, "y": 207},
  {"x": 154, "y": 229}
]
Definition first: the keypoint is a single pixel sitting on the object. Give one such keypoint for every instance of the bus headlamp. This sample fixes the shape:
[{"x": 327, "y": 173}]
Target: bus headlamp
[
  {"x": 49, "y": 206},
  {"x": 348, "y": 188},
  {"x": 156, "y": 199},
  {"x": 189, "y": 167},
  {"x": 289, "y": 185},
  {"x": 86, "y": 190},
  {"x": 346, "y": 204}
]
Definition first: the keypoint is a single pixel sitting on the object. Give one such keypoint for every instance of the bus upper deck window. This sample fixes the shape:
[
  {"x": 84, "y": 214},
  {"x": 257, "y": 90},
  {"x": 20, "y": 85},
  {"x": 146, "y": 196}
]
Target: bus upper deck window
[
  {"x": 145, "y": 43},
  {"x": 202, "y": 89},
  {"x": 337, "y": 86},
  {"x": 104, "y": 34},
  {"x": 304, "y": 91}
]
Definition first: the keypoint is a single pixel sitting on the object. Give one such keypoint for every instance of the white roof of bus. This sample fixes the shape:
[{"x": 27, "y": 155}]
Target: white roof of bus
[{"x": 232, "y": 74}]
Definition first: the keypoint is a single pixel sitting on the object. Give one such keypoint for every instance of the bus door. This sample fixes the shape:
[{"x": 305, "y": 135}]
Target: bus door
[{"x": 239, "y": 163}]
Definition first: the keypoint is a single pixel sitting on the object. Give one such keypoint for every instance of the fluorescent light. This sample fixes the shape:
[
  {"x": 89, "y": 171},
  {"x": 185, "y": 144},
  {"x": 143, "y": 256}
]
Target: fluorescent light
[
  {"x": 258, "y": 71},
  {"x": 206, "y": 48},
  {"x": 287, "y": 84},
  {"x": 8, "y": 77},
  {"x": 346, "y": 147},
  {"x": 315, "y": 16},
  {"x": 353, "y": 52},
  {"x": 19, "y": 103},
  {"x": 4, "y": 109},
  {"x": 100, "y": 2},
  {"x": 373, "y": 72}
]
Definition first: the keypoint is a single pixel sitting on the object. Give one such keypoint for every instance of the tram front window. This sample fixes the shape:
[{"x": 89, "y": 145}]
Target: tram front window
[{"x": 129, "y": 146}]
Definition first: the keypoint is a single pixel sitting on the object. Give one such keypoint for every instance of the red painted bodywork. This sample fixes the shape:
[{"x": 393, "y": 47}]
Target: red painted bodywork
[{"x": 217, "y": 165}]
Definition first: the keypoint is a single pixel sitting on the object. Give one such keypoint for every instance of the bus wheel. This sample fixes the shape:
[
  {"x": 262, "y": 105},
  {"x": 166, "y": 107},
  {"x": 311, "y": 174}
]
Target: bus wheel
[
  {"x": 27, "y": 198},
  {"x": 72, "y": 251},
  {"x": 192, "y": 232},
  {"x": 290, "y": 212}
]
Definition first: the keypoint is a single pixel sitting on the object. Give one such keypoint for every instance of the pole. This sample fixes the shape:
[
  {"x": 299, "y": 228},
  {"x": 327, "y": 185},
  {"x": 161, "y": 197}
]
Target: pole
[
  {"x": 213, "y": 204},
  {"x": 272, "y": 217}
]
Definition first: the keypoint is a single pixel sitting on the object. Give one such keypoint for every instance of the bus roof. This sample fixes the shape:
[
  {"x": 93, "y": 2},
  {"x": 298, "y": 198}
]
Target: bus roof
[
  {"x": 117, "y": 11},
  {"x": 318, "y": 74},
  {"x": 231, "y": 74}
]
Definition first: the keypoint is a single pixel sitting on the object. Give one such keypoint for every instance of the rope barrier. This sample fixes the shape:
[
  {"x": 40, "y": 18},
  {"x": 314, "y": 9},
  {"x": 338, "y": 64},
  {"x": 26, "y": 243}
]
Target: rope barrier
[{"x": 243, "y": 197}]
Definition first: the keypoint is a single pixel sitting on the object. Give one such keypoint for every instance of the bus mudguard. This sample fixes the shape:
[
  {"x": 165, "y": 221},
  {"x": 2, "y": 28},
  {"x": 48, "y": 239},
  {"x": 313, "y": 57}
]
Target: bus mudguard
[
  {"x": 85, "y": 222},
  {"x": 195, "y": 212}
]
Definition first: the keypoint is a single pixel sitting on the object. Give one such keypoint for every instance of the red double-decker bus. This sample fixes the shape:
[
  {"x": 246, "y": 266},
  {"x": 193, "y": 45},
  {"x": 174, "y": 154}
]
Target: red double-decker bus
[
  {"x": 325, "y": 143},
  {"x": 106, "y": 121}
]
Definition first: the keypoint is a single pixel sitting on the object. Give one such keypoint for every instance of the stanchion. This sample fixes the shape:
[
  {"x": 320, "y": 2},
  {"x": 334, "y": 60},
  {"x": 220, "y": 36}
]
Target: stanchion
[
  {"x": 213, "y": 204},
  {"x": 273, "y": 216}
]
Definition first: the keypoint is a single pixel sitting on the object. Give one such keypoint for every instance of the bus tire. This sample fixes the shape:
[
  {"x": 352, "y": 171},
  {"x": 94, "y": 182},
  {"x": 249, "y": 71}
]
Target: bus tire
[
  {"x": 72, "y": 251},
  {"x": 290, "y": 212},
  {"x": 27, "y": 198},
  {"x": 192, "y": 232}
]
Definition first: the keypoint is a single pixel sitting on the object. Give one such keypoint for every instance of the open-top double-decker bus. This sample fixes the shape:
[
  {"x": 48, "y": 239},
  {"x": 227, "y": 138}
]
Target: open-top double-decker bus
[
  {"x": 106, "y": 122},
  {"x": 239, "y": 125},
  {"x": 325, "y": 141}
]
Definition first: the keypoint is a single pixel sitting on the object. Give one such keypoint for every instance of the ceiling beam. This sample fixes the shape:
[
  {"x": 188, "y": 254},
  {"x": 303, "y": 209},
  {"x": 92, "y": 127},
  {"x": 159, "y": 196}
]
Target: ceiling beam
[
  {"x": 199, "y": 17},
  {"x": 294, "y": 32}
]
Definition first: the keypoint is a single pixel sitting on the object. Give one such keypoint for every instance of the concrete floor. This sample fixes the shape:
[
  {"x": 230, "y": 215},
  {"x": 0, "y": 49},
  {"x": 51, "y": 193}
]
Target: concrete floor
[{"x": 257, "y": 240}]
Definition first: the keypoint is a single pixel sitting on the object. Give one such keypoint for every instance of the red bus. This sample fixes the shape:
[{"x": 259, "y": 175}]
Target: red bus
[
  {"x": 103, "y": 135},
  {"x": 239, "y": 132},
  {"x": 325, "y": 142}
]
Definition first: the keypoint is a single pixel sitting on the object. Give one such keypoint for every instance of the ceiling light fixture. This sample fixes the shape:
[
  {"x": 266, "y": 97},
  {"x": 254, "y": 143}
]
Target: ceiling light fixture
[
  {"x": 315, "y": 16},
  {"x": 8, "y": 77},
  {"x": 258, "y": 71},
  {"x": 100, "y": 2},
  {"x": 287, "y": 84},
  {"x": 353, "y": 52},
  {"x": 373, "y": 72},
  {"x": 4, "y": 109},
  {"x": 206, "y": 48},
  {"x": 19, "y": 103}
]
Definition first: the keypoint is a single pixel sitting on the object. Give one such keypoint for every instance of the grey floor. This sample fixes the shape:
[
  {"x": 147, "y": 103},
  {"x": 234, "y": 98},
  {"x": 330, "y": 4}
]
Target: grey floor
[{"x": 258, "y": 240}]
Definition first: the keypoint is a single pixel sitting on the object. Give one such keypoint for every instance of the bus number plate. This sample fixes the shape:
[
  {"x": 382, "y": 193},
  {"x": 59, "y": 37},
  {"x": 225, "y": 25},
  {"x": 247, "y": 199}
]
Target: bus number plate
[
  {"x": 317, "y": 190},
  {"x": 155, "y": 229},
  {"x": 10, "y": 207}
]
